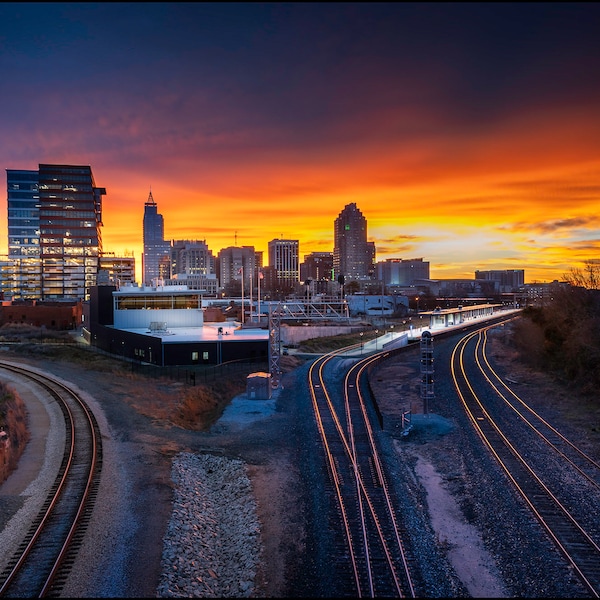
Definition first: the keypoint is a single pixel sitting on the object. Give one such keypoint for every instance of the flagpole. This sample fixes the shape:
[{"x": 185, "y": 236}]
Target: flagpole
[
  {"x": 258, "y": 305},
  {"x": 251, "y": 274},
  {"x": 242, "y": 272}
]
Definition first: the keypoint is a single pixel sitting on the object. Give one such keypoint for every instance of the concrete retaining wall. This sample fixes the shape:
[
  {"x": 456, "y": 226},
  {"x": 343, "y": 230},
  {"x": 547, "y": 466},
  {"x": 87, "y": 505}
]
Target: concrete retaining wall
[{"x": 295, "y": 335}]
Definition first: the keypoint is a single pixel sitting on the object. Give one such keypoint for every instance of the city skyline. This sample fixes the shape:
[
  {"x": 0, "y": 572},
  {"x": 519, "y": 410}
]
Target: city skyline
[{"x": 467, "y": 134}]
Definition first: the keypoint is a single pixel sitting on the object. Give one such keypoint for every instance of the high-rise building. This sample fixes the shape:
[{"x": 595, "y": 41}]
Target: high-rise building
[
  {"x": 70, "y": 230},
  {"x": 54, "y": 232},
  {"x": 54, "y": 236},
  {"x": 156, "y": 257},
  {"x": 258, "y": 259},
  {"x": 284, "y": 256},
  {"x": 22, "y": 276},
  {"x": 353, "y": 255}
]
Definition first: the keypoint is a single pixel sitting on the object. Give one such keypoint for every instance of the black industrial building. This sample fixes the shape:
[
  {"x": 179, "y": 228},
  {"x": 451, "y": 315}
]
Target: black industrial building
[{"x": 176, "y": 347}]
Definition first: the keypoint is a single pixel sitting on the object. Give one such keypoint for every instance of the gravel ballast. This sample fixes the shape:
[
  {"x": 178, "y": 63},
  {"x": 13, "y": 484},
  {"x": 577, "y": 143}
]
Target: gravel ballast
[
  {"x": 211, "y": 514},
  {"x": 212, "y": 543}
]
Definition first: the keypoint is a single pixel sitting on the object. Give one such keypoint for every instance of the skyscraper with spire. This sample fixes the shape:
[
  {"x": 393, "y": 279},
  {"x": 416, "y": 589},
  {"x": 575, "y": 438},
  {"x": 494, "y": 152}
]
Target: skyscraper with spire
[{"x": 155, "y": 260}]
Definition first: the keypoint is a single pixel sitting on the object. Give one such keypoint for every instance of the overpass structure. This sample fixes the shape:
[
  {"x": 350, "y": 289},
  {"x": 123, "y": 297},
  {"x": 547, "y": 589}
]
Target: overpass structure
[{"x": 314, "y": 310}]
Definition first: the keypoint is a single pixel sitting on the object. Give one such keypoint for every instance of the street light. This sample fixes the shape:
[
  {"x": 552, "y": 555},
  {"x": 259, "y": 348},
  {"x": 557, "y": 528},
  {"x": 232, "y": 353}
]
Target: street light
[
  {"x": 361, "y": 342},
  {"x": 376, "y": 332},
  {"x": 417, "y": 301}
]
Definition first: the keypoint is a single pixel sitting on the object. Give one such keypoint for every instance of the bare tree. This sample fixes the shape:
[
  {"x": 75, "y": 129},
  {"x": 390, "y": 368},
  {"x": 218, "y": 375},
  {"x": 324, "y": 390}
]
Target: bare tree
[
  {"x": 588, "y": 277},
  {"x": 568, "y": 340}
]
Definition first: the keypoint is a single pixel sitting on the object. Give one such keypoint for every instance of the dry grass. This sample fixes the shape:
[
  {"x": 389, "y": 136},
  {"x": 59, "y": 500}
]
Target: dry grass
[
  {"x": 19, "y": 332},
  {"x": 168, "y": 402},
  {"x": 195, "y": 408}
]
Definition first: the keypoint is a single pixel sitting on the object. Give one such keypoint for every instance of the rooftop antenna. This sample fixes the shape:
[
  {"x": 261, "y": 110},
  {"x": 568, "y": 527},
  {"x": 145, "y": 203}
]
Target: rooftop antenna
[{"x": 235, "y": 238}]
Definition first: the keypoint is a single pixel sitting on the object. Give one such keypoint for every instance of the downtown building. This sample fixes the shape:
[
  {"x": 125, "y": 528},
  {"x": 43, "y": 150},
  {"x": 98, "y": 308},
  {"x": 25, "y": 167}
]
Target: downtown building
[
  {"x": 192, "y": 264},
  {"x": 237, "y": 268},
  {"x": 54, "y": 233},
  {"x": 505, "y": 280},
  {"x": 191, "y": 258},
  {"x": 156, "y": 255},
  {"x": 116, "y": 270},
  {"x": 317, "y": 266},
  {"x": 284, "y": 257},
  {"x": 316, "y": 273},
  {"x": 174, "y": 262},
  {"x": 353, "y": 255},
  {"x": 403, "y": 272}
]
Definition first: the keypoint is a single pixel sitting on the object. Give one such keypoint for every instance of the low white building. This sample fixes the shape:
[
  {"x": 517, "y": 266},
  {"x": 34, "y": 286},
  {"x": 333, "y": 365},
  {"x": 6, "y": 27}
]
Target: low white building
[{"x": 156, "y": 308}]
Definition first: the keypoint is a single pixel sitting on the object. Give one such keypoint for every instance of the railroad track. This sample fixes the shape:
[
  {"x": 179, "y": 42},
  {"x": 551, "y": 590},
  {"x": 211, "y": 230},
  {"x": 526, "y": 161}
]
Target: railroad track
[
  {"x": 42, "y": 562},
  {"x": 373, "y": 560},
  {"x": 555, "y": 478}
]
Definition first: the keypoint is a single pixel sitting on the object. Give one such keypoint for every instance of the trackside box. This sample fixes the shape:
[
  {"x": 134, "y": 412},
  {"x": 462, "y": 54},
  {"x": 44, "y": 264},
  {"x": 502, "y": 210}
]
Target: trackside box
[{"x": 258, "y": 386}]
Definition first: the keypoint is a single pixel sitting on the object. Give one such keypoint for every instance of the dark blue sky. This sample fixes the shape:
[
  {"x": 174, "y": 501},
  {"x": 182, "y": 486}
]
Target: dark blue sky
[{"x": 311, "y": 106}]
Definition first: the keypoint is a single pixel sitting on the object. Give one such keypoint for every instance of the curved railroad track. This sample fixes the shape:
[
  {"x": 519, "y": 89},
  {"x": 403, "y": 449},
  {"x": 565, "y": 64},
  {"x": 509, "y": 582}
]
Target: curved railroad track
[
  {"x": 555, "y": 478},
  {"x": 373, "y": 561},
  {"x": 42, "y": 562}
]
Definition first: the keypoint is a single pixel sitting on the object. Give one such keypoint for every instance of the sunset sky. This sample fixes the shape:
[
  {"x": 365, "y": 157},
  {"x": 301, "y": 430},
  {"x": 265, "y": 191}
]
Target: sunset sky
[{"x": 467, "y": 134}]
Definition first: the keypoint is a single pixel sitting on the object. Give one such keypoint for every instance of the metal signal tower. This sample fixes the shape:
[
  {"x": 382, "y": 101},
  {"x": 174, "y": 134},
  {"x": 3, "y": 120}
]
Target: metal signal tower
[
  {"x": 426, "y": 369},
  {"x": 275, "y": 314}
]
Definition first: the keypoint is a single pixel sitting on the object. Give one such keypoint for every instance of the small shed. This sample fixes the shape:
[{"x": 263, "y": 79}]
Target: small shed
[{"x": 258, "y": 386}]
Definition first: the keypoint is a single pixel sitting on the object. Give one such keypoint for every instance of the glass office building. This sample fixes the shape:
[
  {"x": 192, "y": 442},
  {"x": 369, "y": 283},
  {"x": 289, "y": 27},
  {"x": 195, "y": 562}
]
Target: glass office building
[
  {"x": 22, "y": 273},
  {"x": 54, "y": 232},
  {"x": 70, "y": 230}
]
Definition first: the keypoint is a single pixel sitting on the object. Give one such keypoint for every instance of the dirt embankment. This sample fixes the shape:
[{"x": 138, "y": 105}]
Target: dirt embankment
[{"x": 14, "y": 434}]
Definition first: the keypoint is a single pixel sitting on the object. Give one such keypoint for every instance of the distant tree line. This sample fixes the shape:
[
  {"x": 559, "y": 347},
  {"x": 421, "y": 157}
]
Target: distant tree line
[{"x": 563, "y": 335}]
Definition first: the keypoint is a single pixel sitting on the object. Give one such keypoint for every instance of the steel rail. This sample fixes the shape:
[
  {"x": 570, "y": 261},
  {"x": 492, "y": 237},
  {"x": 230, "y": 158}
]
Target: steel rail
[
  {"x": 563, "y": 529},
  {"x": 535, "y": 421},
  {"x": 346, "y": 436},
  {"x": 357, "y": 372},
  {"x": 35, "y": 567}
]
